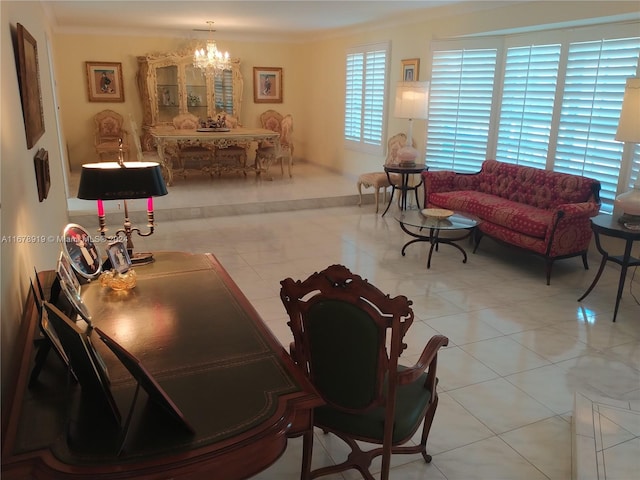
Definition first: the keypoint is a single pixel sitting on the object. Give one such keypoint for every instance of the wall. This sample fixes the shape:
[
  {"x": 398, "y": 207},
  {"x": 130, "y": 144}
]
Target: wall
[{"x": 22, "y": 213}]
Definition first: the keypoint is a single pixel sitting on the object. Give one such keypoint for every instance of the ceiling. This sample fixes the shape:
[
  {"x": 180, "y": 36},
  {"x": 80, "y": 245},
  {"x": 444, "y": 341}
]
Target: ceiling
[{"x": 233, "y": 18}]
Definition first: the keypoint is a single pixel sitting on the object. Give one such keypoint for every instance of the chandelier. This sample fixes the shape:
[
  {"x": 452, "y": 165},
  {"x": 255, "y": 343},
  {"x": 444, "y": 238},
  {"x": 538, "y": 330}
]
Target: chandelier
[{"x": 209, "y": 59}]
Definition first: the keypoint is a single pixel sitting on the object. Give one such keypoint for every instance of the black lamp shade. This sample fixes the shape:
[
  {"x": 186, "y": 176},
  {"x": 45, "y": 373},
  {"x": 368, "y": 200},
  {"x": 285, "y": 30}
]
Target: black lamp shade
[{"x": 111, "y": 181}]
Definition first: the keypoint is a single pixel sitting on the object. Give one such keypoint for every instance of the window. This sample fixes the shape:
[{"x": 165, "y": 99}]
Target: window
[
  {"x": 223, "y": 87},
  {"x": 559, "y": 94},
  {"x": 365, "y": 97}
]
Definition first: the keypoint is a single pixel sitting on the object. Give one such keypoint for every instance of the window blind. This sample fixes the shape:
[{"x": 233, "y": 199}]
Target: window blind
[
  {"x": 366, "y": 80},
  {"x": 460, "y": 102},
  {"x": 223, "y": 88}
]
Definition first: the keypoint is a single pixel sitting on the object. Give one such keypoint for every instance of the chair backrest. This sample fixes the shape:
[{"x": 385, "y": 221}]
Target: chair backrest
[
  {"x": 271, "y": 120},
  {"x": 231, "y": 122},
  {"x": 108, "y": 125},
  {"x": 186, "y": 121},
  {"x": 341, "y": 325},
  {"x": 394, "y": 144},
  {"x": 286, "y": 127}
]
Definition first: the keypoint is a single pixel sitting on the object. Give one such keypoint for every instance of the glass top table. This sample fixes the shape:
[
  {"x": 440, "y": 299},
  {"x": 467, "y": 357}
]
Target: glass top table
[{"x": 425, "y": 228}]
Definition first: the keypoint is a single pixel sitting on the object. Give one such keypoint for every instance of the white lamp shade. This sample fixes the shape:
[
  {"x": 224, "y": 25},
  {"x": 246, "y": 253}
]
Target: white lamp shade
[
  {"x": 629, "y": 126},
  {"x": 412, "y": 100}
]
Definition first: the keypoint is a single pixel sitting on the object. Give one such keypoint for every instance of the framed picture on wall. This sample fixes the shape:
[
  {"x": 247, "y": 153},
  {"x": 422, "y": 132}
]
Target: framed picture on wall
[
  {"x": 267, "y": 85},
  {"x": 29, "y": 79},
  {"x": 410, "y": 69},
  {"x": 104, "y": 81}
]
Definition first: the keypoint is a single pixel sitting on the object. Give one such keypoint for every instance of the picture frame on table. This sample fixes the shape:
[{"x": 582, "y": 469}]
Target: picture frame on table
[
  {"x": 29, "y": 80},
  {"x": 85, "y": 361},
  {"x": 104, "y": 81},
  {"x": 410, "y": 70},
  {"x": 119, "y": 257},
  {"x": 82, "y": 253},
  {"x": 267, "y": 85}
]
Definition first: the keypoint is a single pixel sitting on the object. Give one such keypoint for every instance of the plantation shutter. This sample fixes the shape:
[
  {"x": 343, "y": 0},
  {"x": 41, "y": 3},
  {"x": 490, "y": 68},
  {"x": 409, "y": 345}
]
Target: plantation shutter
[
  {"x": 223, "y": 88},
  {"x": 529, "y": 89},
  {"x": 460, "y": 102},
  {"x": 591, "y": 104},
  {"x": 366, "y": 78}
]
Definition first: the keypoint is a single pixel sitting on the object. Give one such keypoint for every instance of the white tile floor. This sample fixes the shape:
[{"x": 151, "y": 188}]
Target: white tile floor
[{"x": 519, "y": 349}]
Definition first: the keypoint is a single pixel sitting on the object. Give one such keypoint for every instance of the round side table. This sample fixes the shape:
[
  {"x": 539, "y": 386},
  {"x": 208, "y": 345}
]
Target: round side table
[
  {"x": 609, "y": 227},
  {"x": 404, "y": 187}
]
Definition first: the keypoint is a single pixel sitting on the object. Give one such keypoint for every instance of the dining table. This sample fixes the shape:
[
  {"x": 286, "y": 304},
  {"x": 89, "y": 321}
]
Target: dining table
[{"x": 167, "y": 140}]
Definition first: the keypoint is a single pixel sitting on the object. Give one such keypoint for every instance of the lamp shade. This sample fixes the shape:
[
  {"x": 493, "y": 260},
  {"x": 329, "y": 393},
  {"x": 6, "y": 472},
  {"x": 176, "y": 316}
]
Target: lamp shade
[
  {"x": 412, "y": 100},
  {"x": 629, "y": 125},
  {"x": 112, "y": 181}
]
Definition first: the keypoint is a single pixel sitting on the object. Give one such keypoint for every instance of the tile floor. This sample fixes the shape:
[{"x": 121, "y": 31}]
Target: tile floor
[{"x": 519, "y": 349}]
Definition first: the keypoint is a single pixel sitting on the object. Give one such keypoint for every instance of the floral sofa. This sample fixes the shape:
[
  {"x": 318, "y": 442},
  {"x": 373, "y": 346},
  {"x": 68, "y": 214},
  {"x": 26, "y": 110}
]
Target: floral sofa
[{"x": 544, "y": 212}]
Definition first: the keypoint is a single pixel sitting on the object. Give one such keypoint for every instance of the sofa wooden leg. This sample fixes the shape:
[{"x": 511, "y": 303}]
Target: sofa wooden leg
[
  {"x": 477, "y": 236},
  {"x": 549, "y": 265}
]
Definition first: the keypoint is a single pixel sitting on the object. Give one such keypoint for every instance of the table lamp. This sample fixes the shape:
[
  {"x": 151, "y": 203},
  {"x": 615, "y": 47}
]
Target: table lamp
[
  {"x": 412, "y": 101},
  {"x": 123, "y": 181},
  {"x": 629, "y": 131}
]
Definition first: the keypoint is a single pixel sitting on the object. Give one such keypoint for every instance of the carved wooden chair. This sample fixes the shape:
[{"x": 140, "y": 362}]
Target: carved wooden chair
[
  {"x": 231, "y": 157},
  {"x": 109, "y": 131},
  {"x": 379, "y": 180},
  {"x": 266, "y": 152},
  {"x": 190, "y": 153},
  {"x": 348, "y": 336}
]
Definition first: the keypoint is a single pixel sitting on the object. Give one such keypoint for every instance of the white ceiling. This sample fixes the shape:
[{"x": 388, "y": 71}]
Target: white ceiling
[{"x": 233, "y": 18}]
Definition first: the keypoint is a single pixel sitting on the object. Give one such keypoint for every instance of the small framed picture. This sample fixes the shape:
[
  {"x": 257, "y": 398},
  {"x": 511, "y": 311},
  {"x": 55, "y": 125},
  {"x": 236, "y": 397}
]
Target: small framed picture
[
  {"x": 410, "y": 69},
  {"x": 81, "y": 252},
  {"x": 119, "y": 257},
  {"x": 29, "y": 80},
  {"x": 104, "y": 81},
  {"x": 267, "y": 85}
]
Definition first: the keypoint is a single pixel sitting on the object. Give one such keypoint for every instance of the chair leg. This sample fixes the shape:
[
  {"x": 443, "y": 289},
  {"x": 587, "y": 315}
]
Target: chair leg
[
  {"x": 359, "y": 193},
  {"x": 376, "y": 195},
  {"x": 307, "y": 450}
]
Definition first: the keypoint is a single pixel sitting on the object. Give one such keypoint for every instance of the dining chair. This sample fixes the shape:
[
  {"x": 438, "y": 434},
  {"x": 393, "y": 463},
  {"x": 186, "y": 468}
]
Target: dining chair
[
  {"x": 267, "y": 152},
  {"x": 379, "y": 180},
  {"x": 232, "y": 157},
  {"x": 347, "y": 339},
  {"x": 191, "y": 154},
  {"x": 109, "y": 132}
]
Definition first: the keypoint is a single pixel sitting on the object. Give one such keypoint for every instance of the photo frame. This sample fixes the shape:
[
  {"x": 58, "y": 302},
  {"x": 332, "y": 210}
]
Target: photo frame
[
  {"x": 43, "y": 175},
  {"x": 410, "y": 70},
  {"x": 86, "y": 362},
  {"x": 267, "y": 85},
  {"x": 29, "y": 80},
  {"x": 81, "y": 251},
  {"x": 104, "y": 81},
  {"x": 145, "y": 380},
  {"x": 119, "y": 257}
]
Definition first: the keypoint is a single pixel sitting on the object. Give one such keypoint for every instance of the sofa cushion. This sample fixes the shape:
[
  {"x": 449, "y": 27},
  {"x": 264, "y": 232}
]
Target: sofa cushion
[{"x": 522, "y": 218}]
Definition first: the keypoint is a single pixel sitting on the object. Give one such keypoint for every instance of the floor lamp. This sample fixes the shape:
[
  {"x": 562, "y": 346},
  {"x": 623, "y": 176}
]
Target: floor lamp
[
  {"x": 412, "y": 101},
  {"x": 123, "y": 181},
  {"x": 629, "y": 131}
]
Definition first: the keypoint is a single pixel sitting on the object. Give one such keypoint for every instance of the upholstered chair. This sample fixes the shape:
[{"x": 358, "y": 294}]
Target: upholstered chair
[
  {"x": 267, "y": 152},
  {"x": 347, "y": 339},
  {"x": 379, "y": 180},
  {"x": 191, "y": 154},
  {"x": 109, "y": 131}
]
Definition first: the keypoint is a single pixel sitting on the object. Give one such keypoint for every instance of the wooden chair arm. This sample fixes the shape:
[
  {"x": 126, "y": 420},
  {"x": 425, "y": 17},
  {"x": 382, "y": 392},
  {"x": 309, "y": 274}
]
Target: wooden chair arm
[{"x": 428, "y": 356}]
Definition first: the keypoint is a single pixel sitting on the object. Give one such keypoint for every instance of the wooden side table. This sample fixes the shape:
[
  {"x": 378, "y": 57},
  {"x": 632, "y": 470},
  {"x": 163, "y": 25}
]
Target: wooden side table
[
  {"x": 404, "y": 187},
  {"x": 608, "y": 226}
]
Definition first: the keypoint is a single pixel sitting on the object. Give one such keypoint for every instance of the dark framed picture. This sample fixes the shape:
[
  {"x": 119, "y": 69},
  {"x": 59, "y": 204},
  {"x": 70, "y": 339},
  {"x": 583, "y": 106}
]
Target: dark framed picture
[
  {"x": 119, "y": 257},
  {"x": 81, "y": 251},
  {"x": 86, "y": 362},
  {"x": 145, "y": 379},
  {"x": 43, "y": 175},
  {"x": 410, "y": 69},
  {"x": 267, "y": 85},
  {"x": 104, "y": 81},
  {"x": 30, "y": 93}
]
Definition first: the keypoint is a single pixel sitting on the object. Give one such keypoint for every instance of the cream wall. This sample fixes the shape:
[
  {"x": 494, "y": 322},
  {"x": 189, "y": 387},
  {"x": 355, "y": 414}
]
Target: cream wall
[{"x": 22, "y": 214}]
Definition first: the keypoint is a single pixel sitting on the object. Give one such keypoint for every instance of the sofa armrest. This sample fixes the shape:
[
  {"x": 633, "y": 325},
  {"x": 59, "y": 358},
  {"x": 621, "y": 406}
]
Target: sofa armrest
[{"x": 571, "y": 228}]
